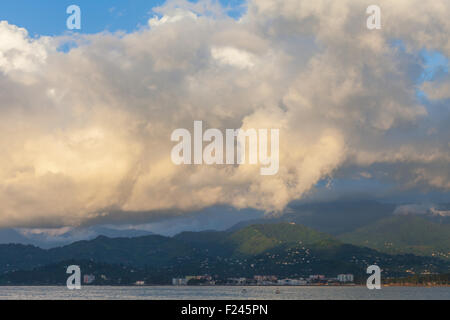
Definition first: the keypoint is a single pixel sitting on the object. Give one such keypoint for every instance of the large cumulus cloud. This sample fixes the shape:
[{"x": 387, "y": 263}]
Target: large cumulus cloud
[{"x": 86, "y": 133}]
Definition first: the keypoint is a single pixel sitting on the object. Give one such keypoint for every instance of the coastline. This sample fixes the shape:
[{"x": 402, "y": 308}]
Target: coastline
[{"x": 412, "y": 285}]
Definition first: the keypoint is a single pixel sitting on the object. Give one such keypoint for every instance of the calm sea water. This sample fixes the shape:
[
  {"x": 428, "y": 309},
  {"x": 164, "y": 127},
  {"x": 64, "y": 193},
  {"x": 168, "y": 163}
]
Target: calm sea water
[{"x": 200, "y": 293}]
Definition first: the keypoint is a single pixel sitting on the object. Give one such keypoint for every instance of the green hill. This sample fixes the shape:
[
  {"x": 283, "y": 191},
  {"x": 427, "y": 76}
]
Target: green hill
[
  {"x": 259, "y": 238},
  {"x": 403, "y": 234},
  {"x": 284, "y": 249}
]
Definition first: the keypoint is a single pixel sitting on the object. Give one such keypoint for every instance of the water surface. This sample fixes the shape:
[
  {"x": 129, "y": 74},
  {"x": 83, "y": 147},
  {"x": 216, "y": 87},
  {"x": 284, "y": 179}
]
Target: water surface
[{"x": 225, "y": 293}]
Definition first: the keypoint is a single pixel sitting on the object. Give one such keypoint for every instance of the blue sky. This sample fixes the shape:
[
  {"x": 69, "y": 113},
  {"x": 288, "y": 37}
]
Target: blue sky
[{"x": 48, "y": 17}]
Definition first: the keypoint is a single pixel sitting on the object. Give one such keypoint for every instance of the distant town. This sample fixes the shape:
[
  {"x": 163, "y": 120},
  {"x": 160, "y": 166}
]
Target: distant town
[{"x": 267, "y": 280}]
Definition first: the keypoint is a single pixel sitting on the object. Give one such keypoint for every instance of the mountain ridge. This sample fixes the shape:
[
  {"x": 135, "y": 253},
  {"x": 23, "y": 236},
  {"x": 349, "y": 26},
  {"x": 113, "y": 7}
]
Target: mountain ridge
[
  {"x": 403, "y": 234},
  {"x": 284, "y": 249}
]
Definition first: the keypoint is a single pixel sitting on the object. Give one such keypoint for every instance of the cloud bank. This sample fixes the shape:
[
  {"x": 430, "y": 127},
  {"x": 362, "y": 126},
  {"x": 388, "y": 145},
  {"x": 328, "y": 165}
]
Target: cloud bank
[{"x": 85, "y": 134}]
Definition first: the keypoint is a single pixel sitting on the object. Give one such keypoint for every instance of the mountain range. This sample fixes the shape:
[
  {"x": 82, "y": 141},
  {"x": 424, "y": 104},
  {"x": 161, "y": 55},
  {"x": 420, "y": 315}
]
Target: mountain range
[
  {"x": 282, "y": 249},
  {"x": 328, "y": 238},
  {"x": 46, "y": 240}
]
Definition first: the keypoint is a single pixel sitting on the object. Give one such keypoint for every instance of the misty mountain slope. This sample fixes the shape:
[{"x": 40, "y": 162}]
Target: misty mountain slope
[
  {"x": 12, "y": 236},
  {"x": 47, "y": 241},
  {"x": 334, "y": 218},
  {"x": 340, "y": 216},
  {"x": 403, "y": 234},
  {"x": 120, "y": 233}
]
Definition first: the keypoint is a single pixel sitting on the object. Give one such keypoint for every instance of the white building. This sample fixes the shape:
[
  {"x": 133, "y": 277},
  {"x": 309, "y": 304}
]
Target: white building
[
  {"x": 317, "y": 277},
  {"x": 345, "y": 277},
  {"x": 238, "y": 281},
  {"x": 179, "y": 281}
]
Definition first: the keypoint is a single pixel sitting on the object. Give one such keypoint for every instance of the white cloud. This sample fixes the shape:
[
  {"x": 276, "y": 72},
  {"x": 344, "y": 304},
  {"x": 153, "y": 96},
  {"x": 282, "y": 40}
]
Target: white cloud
[
  {"x": 437, "y": 91},
  {"x": 86, "y": 134},
  {"x": 412, "y": 209},
  {"x": 18, "y": 51},
  {"x": 437, "y": 212},
  {"x": 421, "y": 209},
  {"x": 233, "y": 57},
  {"x": 178, "y": 15}
]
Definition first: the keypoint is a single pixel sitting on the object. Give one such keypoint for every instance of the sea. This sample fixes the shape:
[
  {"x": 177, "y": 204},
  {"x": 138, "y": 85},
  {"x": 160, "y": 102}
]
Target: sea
[{"x": 224, "y": 293}]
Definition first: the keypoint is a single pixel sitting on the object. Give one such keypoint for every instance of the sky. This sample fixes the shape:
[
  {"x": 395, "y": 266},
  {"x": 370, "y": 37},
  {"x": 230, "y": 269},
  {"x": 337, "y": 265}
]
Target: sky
[
  {"x": 48, "y": 17},
  {"x": 86, "y": 116}
]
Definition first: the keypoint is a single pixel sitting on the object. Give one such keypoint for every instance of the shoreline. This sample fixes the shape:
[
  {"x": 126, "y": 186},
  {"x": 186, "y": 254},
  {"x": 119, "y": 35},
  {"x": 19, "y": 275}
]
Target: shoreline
[{"x": 237, "y": 286}]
